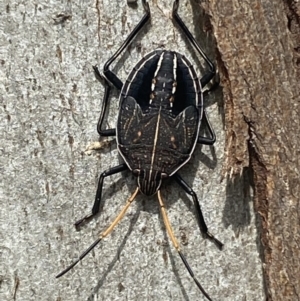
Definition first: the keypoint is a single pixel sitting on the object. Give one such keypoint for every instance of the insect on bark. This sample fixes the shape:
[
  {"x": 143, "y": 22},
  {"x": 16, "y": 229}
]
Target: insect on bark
[{"x": 160, "y": 113}]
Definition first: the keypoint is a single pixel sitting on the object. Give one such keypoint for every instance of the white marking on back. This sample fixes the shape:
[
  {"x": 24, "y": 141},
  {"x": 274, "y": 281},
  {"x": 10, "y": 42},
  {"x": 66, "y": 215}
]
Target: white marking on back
[
  {"x": 186, "y": 62},
  {"x": 137, "y": 70},
  {"x": 174, "y": 73},
  {"x": 156, "y": 71},
  {"x": 155, "y": 139}
]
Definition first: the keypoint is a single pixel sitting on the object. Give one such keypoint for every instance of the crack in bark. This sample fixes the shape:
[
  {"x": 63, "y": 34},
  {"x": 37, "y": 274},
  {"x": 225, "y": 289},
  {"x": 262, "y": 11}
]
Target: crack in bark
[{"x": 99, "y": 19}]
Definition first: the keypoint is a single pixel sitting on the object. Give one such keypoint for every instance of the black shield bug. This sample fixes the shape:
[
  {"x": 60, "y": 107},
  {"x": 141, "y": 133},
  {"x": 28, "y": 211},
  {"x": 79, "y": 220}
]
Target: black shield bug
[{"x": 161, "y": 109}]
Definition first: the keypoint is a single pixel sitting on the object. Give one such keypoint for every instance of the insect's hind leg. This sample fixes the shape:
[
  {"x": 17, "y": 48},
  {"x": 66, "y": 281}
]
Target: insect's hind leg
[
  {"x": 98, "y": 198},
  {"x": 110, "y": 77},
  {"x": 200, "y": 218}
]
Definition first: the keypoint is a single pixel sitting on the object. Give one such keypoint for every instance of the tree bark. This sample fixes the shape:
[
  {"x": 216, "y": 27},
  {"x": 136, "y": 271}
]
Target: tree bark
[
  {"x": 258, "y": 44},
  {"x": 50, "y": 103}
]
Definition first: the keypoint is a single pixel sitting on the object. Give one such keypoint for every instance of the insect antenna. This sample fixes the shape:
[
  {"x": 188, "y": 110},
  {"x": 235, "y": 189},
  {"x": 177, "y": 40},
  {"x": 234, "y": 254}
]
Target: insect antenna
[
  {"x": 102, "y": 235},
  {"x": 176, "y": 245}
]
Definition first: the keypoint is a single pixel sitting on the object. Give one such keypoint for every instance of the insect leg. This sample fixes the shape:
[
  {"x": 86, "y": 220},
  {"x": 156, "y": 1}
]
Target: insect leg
[
  {"x": 211, "y": 73},
  {"x": 112, "y": 77},
  {"x": 207, "y": 140},
  {"x": 200, "y": 218},
  {"x": 103, "y": 132},
  {"x": 102, "y": 235},
  {"x": 97, "y": 202},
  {"x": 176, "y": 245},
  {"x": 212, "y": 139}
]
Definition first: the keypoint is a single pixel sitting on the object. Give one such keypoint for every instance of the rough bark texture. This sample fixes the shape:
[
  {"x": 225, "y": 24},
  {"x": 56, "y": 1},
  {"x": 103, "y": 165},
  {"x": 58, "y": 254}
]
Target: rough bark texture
[
  {"x": 258, "y": 44},
  {"x": 50, "y": 103}
]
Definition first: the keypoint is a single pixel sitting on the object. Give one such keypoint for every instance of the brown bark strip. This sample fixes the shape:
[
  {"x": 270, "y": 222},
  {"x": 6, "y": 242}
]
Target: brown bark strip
[{"x": 259, "y": 57}]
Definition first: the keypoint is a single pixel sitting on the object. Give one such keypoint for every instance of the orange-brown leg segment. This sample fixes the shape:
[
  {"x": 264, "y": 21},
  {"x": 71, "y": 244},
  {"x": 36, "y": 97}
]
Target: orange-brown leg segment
[
  {"x": 176, "y": 245},
  {"x": 102, "y": 235}
]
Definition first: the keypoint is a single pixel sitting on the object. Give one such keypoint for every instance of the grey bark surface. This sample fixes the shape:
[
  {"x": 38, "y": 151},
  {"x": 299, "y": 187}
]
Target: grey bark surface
[{"x": 50, "y": 103}]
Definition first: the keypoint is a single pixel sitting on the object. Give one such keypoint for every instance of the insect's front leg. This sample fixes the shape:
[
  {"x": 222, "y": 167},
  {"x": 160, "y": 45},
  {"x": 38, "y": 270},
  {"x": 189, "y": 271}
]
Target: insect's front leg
[
  {"x": 109, "y": 77},
  {"x": 208, "y": 76},
  {"x": 100, "y": 130},
  {"x": 207, "y": 140},
  {"x": 212, "y": 137}
]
